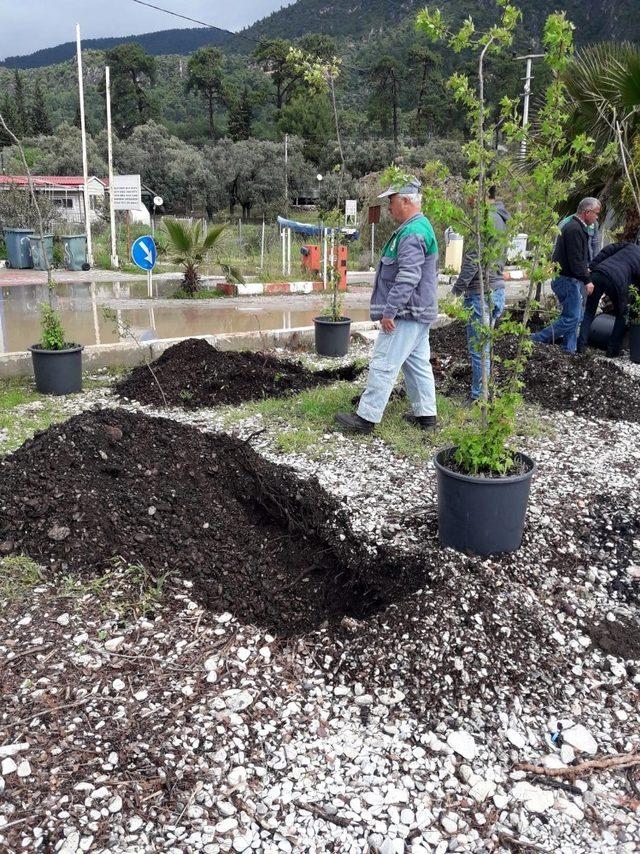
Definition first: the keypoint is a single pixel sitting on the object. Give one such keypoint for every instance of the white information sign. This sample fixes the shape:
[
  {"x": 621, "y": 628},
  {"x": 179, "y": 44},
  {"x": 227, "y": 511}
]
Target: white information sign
[
  {"x": 351, "y": 211},
  {"x": 127, "y": 193}
]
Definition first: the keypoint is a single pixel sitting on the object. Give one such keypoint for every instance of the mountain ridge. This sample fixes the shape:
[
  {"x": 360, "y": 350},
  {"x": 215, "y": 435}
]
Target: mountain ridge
[{"x": 355, "y": 20}]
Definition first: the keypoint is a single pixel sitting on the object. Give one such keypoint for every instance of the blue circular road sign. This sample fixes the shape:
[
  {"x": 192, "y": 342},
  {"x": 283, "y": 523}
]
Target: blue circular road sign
[{"x": 144, "y": 252}]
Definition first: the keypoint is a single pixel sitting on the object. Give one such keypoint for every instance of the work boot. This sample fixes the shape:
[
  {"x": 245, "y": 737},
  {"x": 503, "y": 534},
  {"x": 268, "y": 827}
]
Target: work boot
[
  {"x": 351, "y": 421},
  {"x": 424, "y": 422}
]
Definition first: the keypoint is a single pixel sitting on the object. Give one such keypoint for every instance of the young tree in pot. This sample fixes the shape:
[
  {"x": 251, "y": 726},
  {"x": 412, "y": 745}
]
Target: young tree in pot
[
  {"x": 332, "y": 328},
  {"x": 57, "y": 363},
  {"x": 634, "y": 324},
  {"x": 483, "y": 481}
]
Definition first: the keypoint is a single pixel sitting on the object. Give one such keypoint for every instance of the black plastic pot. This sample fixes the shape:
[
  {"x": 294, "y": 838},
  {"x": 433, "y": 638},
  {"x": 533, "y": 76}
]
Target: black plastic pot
[
  {"x": 634, "y": 343},
  {"x": 601, "y": 330},
  {"x": 332, "y": 336},
  {"x": 481, "y": 515},
  {"x": 57, "y": 371}
]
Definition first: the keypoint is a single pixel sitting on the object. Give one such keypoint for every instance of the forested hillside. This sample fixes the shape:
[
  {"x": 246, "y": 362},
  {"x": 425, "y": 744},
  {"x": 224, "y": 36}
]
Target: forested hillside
[
  {"x": 358, "y": 21},
  {"x": 206, "y": 128}
]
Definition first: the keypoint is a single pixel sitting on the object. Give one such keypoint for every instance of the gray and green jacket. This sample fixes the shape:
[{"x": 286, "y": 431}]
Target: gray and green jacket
[{"x": 406, "y": 283}]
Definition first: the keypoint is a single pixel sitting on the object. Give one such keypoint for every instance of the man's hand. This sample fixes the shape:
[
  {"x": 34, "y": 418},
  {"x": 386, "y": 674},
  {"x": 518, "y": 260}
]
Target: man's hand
[
  {"x": 589, "y": 288},
  {"x": 387, "y": 325}
]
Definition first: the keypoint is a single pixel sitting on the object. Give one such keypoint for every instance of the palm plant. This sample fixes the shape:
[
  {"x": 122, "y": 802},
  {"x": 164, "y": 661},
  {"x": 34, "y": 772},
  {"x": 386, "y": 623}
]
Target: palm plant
[
  {"x": 189, "y": 248},
  {"x": 603, "y": 85}
]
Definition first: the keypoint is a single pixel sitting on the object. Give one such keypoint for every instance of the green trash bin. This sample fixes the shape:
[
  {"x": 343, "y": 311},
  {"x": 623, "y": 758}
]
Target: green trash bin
[
  {"x": 37, "y": 252},
  {"x": 18, "y": 248},
  {"x": 74, "y": 247}
]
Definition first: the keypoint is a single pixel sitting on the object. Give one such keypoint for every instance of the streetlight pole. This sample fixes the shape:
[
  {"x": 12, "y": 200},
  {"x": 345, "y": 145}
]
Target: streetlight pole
[{"x": 527, "y": 92}]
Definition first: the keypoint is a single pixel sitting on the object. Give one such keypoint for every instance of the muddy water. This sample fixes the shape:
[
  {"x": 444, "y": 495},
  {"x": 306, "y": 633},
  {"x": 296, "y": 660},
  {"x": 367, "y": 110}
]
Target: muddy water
[{"x": 82, "y": 307}]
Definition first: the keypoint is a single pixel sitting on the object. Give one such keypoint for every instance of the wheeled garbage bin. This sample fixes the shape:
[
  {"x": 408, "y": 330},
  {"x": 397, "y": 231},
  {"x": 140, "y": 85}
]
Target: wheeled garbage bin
[
  {"x": 40, "y": 245},
  {"x": 74, "y": 247},
  {"x": 18, "y": 248}
]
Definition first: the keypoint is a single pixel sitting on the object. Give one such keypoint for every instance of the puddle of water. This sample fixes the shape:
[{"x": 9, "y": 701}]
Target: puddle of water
[{"x": 81, "y": 310}]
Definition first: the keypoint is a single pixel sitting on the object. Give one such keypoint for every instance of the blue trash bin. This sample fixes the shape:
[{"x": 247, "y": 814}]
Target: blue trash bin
[
  {"x": 37, "y": 251},
  {"x": 74, "y": 247},
  {"x": 18, "y": 248}
]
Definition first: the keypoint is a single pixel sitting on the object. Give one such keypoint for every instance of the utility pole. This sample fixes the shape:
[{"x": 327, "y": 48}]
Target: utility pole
[
  {"x": 85, "y": 171},
  {"x": 286, "y": 174},
  {"x": 112, "y": 211},
  {"x": 527, "y": 92}
]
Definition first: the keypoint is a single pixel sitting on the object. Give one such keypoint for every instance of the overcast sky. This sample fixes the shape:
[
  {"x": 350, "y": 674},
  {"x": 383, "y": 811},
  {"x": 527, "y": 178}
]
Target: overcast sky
[{"x": 29, "y": 25}]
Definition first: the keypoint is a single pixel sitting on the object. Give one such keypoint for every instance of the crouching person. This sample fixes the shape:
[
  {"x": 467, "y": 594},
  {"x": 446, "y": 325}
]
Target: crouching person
[
  {"x": 468, "y": 286},
  {"x": 405, "y": 301}
]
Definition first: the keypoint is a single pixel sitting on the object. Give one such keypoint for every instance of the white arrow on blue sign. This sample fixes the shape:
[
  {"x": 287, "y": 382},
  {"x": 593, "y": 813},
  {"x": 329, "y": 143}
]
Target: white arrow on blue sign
[{"x": 144, "y": 252}]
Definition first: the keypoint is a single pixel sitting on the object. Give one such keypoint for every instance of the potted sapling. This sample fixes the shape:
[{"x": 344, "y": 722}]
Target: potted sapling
[
  {"x": 332, "y": 328},
  {"x": 57, "y": 363},
  {"x": 483, "y": 479}
]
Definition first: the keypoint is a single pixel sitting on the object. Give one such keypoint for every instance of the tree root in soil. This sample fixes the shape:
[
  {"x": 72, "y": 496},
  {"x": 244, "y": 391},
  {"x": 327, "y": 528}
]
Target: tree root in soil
[{"x": 620, "y": 760}]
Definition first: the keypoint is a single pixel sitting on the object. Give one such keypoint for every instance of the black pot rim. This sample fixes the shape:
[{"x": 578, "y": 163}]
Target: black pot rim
[
  {"x": 327, "y": 322},
  {"x": 468, "y": 478},
  {"x": 38, "y": 348}
]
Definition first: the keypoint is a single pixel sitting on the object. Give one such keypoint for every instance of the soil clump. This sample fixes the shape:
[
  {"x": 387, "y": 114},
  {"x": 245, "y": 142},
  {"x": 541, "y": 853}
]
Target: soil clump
[
  {"x": 591, "y": 388},
  {"x": 255, "y": 539},
  {"x": 193, "y": 374}
]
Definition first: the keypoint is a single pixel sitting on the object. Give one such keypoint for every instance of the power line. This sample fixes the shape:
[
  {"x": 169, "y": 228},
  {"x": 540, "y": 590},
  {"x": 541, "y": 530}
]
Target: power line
[{"x": 195, "y": 21}]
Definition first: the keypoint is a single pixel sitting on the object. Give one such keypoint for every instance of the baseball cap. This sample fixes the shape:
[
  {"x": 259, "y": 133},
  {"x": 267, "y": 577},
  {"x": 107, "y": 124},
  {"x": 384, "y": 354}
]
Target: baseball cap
[{"x": 410, "y": 188}]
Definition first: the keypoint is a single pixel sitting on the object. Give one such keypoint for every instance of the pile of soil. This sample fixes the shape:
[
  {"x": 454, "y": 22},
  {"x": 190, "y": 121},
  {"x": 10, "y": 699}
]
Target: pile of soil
[
  {"x": 592, "y": 388},
  {"x": 193, "y": 374},
  {"x": 254, "y": 538}
]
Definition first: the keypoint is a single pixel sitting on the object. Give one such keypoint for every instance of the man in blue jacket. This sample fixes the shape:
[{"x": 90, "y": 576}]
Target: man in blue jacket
[
  {"x": 573, "y": 253},
  {"x": 405, "y": 301}
]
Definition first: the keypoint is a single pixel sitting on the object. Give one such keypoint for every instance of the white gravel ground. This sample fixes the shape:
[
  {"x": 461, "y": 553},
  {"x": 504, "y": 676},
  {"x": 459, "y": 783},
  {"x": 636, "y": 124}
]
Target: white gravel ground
[{"x": 186, "y": 731}]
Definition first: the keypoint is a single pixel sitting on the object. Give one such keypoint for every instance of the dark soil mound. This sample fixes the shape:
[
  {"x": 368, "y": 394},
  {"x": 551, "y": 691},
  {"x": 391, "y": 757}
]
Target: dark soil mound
[
  {"x": 590, "y": 387},
  {"x": 620, "y": 638},
  {"x": 193, "y": 374},
  {"x": 253, "y": 537}
]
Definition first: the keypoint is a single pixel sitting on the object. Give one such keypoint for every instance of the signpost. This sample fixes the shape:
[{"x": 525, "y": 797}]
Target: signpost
[
  {"x": 127, "y": 193},
  {"x": 144, "y": 255},
  {"x": 350, "y": 212}
]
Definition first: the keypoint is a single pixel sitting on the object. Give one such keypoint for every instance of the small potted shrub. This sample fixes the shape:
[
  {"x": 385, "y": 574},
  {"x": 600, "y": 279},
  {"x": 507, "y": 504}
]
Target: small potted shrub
[
  {"x": 57, "y": 364},
  {"x": 483, "y": 481},
  {"x": 332, "y": 328},
  {"x": 634, "y": 324}
]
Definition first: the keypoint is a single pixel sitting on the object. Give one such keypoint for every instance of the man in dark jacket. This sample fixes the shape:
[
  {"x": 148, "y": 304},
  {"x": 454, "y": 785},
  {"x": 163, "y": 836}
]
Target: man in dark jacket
[
  {"x": 572, "y": 252},
  {"x": 405, "y": 301},
  {"x": 612, "y": 271},
  {"x": 468, "y": 285}
]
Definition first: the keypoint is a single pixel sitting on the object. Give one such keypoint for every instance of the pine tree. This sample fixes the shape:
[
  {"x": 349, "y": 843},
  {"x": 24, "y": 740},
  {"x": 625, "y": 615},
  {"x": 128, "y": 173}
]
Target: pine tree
[
  {"x": 22, "y": 116},
  {"x": 240, "y": 117},
  {"x": 8, "y": 110},
  {"x": 40, "y": 121}
]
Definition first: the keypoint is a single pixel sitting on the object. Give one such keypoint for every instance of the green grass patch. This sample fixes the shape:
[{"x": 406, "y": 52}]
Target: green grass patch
[
  {"x": 205, "y": 293},
  {"x": 126, "y": 590},
  {"x": 302, "y": 421},
  {"x": 24, "y": 412},
  {"x": 18, "y": 575}
]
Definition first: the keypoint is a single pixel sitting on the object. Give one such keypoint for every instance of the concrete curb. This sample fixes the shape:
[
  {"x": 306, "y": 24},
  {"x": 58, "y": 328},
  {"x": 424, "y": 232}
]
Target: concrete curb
[{"x": 128, "y": 355}]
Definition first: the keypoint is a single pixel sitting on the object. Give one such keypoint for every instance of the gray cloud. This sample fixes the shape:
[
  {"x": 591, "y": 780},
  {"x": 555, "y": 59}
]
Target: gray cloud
[{"x": 35, "y": 24}]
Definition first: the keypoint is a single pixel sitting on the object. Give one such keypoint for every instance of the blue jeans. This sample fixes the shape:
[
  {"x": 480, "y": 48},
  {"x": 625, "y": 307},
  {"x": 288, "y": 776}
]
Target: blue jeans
[
  {"x": 407, "y": 347},
  {"x": 491, "y": 313},
  {"x": 571, "y": 295}
]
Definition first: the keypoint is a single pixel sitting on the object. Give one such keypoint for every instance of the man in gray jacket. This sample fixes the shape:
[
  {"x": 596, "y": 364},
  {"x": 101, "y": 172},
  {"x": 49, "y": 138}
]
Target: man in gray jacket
[
  {"x": 468, "y": 285},
  {"x": 405, "y": 301}
]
